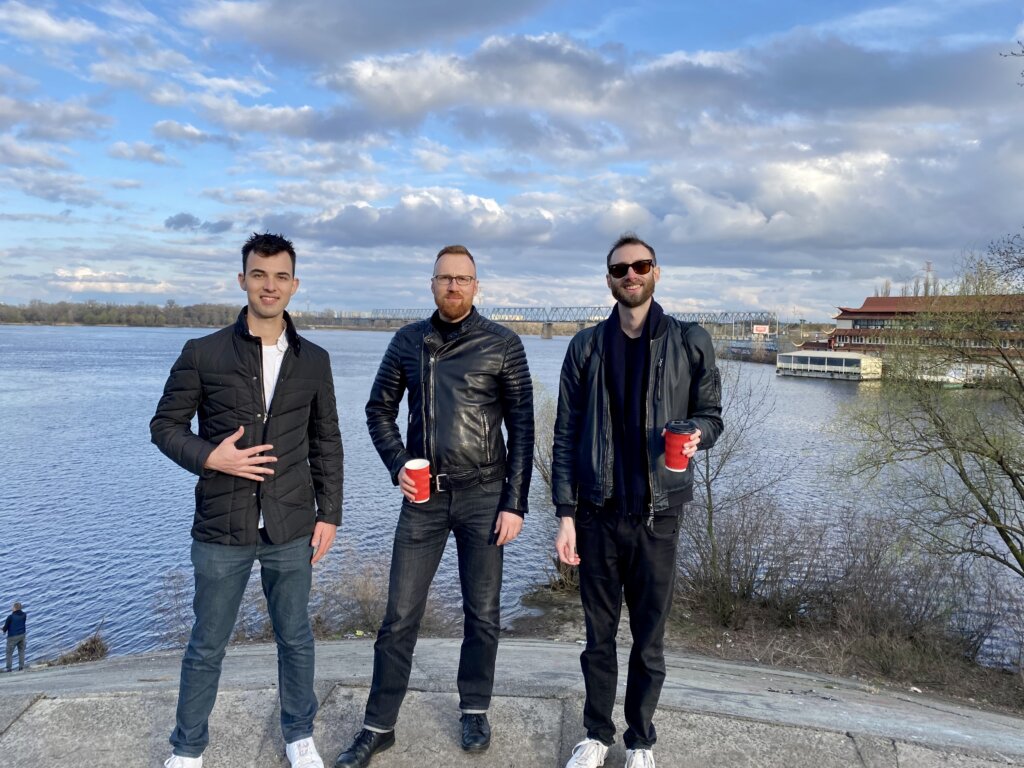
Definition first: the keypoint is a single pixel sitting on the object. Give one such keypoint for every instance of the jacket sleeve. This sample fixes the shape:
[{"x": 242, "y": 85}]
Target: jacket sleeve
[
  {"x": 171, "y": 427},
  {"x": 705, "y": 385},
  {"x": 517, "y": 406},
  {"x": 382, "y": 409},
  {"x": 567, "y": 417},
  {"x": 326, "y": 453}
]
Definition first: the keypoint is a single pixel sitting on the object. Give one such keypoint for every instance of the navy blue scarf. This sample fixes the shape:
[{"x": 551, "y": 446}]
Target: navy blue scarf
[{"x": 627, "y": 371}]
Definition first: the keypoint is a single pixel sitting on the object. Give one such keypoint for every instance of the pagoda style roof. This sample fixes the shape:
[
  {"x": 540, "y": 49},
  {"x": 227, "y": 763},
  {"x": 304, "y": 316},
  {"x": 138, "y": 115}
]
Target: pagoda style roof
[{"x": 880, "y": 307}]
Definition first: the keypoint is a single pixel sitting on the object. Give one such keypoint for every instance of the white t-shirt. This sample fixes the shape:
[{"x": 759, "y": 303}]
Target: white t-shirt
[{"x": 272, "y": 357}]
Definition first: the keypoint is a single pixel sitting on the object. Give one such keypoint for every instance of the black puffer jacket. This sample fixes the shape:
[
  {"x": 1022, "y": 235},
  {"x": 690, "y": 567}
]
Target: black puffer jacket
[
  {"x": 684, "y": 384},
  {"x": 221, "y": 377},
  {"x": 459, "y": 393}
]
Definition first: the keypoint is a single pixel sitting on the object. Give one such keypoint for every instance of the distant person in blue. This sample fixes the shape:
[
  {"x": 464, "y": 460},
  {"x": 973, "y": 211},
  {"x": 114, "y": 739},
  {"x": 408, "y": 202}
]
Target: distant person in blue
[
  {"x": 618, "y": 505},
  {"x": 14, "y": 628},
  {"x": 268, "y": 455}
]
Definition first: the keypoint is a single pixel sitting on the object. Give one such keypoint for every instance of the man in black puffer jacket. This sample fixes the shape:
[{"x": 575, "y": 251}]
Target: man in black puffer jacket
[
  {"x": 465, "y": 376},
  {"x": 269, "y": 459},
  {"x": 622, "y": 382}
]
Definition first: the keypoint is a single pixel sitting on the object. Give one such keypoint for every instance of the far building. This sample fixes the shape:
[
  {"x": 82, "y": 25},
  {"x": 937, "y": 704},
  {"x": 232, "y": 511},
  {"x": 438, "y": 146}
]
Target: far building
[{"x": 883, "y": 322}]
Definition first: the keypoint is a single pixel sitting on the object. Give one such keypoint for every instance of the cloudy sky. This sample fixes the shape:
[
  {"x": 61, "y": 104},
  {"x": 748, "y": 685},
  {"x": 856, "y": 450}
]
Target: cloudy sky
[{"x": 786, "y": 156}]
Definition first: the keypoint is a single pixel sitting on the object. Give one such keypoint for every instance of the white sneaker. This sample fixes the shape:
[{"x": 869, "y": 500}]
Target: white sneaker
[
  {"x": 639, "y": 758},
  {"x": 177, "y": 761},
  {"x": 589, "y": 753},
  {"x": 303, "y": 754}
]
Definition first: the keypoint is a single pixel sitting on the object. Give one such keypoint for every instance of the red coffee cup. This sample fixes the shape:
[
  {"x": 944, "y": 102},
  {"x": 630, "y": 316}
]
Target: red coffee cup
[
  {"x": 418, "y": 470},
  {"x": 677, "y": 434}
]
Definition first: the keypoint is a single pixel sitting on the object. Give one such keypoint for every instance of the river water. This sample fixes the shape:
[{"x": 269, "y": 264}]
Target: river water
[{"x": 93, "y": 516}]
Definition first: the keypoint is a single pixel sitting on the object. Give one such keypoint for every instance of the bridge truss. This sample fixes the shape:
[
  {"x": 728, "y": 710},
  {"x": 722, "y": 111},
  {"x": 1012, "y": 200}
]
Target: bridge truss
[{"x": 721, "y": 325}]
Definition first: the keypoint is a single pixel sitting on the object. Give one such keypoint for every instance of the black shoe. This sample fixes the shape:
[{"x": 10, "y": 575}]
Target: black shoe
[
  {"x": 476, "y": 733},
  {"x": 365, "y": 745}
]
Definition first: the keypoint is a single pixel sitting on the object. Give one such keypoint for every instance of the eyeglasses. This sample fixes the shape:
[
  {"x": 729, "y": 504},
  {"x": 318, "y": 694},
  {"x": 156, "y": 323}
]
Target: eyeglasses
[
  {"x": 457, "y": 279},
  {"x": 619, "y": 271}
]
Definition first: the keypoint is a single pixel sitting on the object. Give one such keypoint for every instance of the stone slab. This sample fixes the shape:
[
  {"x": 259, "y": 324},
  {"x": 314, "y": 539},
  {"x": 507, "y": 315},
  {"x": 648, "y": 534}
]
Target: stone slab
[
  {"x": 526, "y": 732},
  {"x": 12, "y": 707},
  {"x": 689, "y": 740},
  {"x": 916, "y": 756}
]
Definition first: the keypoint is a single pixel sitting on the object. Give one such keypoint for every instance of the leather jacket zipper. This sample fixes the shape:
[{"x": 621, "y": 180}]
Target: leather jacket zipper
[
  {"x": 651, "y": 393},
  {"x": 428, "y": 444},
  {"x": 263, "y": 399}
]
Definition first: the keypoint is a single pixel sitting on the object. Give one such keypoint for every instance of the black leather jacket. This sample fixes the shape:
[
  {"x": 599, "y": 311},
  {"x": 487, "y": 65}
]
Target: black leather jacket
[
  {"x": 221, "y": 377},
  {"x": 459, "y": 393},
  {"x": 684, "y": 384}
]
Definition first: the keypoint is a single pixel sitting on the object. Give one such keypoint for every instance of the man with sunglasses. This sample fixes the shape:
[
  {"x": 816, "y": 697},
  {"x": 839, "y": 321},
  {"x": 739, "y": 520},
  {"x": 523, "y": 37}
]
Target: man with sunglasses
[
  {"x": 622, "y": 381},
  {"x": 464, "y": 376}
]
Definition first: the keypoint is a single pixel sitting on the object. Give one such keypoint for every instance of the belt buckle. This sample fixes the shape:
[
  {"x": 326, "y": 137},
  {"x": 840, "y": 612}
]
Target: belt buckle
[{"x": 437, "y": 481}]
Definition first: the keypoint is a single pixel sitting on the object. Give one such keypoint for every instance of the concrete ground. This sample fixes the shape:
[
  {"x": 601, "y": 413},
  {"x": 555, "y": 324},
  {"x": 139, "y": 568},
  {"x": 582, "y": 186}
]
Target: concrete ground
[{"x": 119, "y": 712}]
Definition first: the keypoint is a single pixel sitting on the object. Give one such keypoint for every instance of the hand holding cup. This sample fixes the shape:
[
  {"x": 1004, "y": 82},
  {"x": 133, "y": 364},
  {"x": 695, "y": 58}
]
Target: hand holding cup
[
  {"x": 679, "y": 433},
  {"x": 417, "y": 472}
]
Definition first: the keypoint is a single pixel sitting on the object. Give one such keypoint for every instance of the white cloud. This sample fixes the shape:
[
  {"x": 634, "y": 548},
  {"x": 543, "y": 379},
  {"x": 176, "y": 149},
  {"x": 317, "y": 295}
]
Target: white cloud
[
  {"x": 37, "y": 24},
  {"x": 17, "y": 154},
  {"x": 548, "y": 72},
  {"x": 140, "y": 152},
  {"x": 12, "y": 80},
  {"x": 86, "y": 279},
  {"x": 120, "y": 74},
  {"x": 51, "y": 120},
  {"x": 432, "y": 156},
  {"x": 248, "y": 86},
  {"x": 133, "y": 13},
  {"x": 187, "y": 134},
  {"x": 309, "y": 159},
  {"x": 67, "y": 188},
  {"x": 346, "y": 28}
]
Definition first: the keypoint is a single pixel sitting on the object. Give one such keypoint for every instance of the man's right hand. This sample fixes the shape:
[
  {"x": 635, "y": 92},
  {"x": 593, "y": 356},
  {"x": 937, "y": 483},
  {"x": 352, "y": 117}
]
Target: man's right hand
[
  {"x": 406, "y": 484},
  {"x": 247, "y": 463},
  {"x": 565, "y": 541}
]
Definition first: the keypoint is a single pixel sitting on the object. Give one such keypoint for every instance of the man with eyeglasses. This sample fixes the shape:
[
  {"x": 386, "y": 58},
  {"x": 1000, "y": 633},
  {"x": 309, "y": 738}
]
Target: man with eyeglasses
[
  {"x": 622, "y": 381},
  {"x": 464, "y": 376}
]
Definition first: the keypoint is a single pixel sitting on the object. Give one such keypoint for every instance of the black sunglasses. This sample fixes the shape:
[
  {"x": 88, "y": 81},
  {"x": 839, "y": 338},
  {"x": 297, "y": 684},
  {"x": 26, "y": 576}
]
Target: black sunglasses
[{"x": 642, "y": 267}]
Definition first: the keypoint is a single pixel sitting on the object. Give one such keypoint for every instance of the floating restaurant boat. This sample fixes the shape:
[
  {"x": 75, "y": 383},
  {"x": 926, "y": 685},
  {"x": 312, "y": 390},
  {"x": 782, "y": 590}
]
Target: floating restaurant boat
[{"x": 829, "y": 364}]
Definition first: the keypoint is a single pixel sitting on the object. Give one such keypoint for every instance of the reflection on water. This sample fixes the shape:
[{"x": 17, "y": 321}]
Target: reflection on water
[{"x": 93, "y": 516}]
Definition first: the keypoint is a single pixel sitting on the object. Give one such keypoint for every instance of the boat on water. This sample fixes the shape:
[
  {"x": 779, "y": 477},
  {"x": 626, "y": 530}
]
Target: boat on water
[{"x": 829, "y": 364}]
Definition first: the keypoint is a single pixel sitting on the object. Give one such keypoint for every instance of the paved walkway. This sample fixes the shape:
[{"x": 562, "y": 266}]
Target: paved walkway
[{"x": 118, "y": 712}]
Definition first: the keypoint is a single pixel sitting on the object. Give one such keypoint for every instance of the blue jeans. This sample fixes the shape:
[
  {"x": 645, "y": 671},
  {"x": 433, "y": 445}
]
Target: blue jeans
[
  {"x": 420, "y": 540},
  {"x": 221, "y": 573},
  {"x": 620, "y": 557}
]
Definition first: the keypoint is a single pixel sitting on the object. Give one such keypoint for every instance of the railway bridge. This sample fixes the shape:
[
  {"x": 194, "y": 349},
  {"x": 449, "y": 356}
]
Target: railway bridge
[{"x": 738, "y": 328}]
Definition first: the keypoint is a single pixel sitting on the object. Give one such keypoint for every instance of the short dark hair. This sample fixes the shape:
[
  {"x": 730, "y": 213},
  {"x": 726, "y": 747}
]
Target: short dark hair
[
  {"x": 629, "y": 238},
  {"x": 457, "y": 250},
  {"x": 17, "y": 606},
  {"x": 267, "y": 244}
]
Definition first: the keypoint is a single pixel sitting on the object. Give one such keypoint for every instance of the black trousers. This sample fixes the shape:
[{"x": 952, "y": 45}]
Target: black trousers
[
  {"x": 420, "y": 540},
  {"x": 625, "y": 556}
]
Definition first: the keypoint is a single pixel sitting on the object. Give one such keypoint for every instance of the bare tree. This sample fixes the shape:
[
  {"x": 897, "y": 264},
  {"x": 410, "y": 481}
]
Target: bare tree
[
  {"x": 545, "y": 406},
  {"x": 1006, "y": 257},
  {"x": 952, "y": 461},
  {"x": 738, "y": 544},
  {"x": 1017, "y": 54}
]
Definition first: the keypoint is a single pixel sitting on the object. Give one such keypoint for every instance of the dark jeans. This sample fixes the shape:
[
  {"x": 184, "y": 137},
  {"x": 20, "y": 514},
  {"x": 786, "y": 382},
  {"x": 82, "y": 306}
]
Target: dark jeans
[
  {"x": 619, "y": 556},
  {"x": 16, "y": 641},
  {"x": 221, "y": 573},
  {"x": 419, "y": 543}
]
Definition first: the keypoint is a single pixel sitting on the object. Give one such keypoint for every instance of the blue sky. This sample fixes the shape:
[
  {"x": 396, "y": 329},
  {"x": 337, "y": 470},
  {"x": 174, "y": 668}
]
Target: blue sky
[{"x": 786, "y": 156}]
